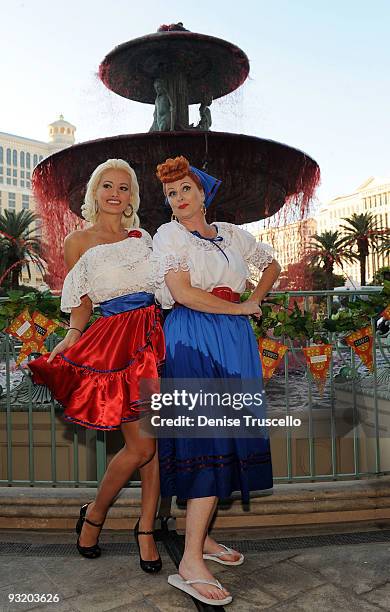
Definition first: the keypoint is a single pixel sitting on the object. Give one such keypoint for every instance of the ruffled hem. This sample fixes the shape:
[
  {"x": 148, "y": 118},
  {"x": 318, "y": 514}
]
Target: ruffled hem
[
  {"x": 136, "y": 416},
  {"x": 99, "y": 401}
]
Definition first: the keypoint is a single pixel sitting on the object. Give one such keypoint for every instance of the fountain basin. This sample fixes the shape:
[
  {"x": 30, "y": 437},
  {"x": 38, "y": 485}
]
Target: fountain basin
[
  {"x": 212, "y": 66},
  {"x": 258, "y": 175}
]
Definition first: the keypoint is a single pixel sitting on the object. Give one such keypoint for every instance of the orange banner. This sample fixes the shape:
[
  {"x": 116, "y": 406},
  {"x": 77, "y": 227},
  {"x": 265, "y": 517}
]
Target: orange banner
[
  {"x": 22, "y": 327},
  {"x": 43, "y": 326},
  {"x": 386, "y": 313},
  {"x": 318, "y": 359},
  {"x": 271, "y": 354},
  {"x": 32, "y": 330},
  {"x": 361, "y": 342}
]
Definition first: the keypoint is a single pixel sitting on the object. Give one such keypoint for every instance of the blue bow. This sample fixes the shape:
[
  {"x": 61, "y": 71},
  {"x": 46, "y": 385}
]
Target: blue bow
[{"x": 213, "y": 240}]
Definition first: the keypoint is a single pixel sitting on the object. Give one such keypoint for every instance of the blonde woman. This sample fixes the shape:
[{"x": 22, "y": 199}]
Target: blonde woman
[{"x": 100, "y": 375}]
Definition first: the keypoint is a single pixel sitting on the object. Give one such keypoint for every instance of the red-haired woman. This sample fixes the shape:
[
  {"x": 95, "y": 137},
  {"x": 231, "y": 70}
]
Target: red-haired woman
[{"x": 204, "y": 269}]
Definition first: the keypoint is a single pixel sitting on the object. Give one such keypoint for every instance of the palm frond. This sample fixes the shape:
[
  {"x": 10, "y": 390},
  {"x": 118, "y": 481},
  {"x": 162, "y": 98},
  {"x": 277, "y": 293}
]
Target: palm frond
[{"x": 20, "y": 246}]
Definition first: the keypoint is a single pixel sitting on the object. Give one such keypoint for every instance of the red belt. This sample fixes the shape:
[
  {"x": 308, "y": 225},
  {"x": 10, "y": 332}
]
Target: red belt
[{"x": 224, "y": 293}]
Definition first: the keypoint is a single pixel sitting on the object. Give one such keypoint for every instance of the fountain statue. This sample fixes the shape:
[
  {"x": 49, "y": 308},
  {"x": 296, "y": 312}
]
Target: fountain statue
[
  {"x": 205, "y": 115},
  {"x": 172, "y": 69},
  {"x": 163, "y": 108}
]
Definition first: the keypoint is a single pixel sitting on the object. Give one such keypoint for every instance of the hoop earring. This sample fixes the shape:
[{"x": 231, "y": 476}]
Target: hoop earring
[
  {"x": 96, "y": 207},
  {"x": 173, "y": 218},
  {"x": 131, "y": 214},
  {"x": 204, "y": 209}
]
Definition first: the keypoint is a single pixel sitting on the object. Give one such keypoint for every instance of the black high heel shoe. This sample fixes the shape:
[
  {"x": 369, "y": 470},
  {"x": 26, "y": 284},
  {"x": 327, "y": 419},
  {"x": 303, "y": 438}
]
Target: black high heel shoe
[
  {"x": 90, "y": 552},
  {"x": 151, "y": 567}
]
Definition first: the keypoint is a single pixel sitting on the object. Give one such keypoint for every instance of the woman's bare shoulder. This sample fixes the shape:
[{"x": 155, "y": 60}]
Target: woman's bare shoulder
[
  {"x": 79, "y": 236},
  {"x": 75, "y": 245},
  {"x": 80, "y": 240}
]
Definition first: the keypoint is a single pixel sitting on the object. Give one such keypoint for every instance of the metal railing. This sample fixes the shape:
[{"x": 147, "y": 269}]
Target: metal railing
[{"x": 344, "y": 432}]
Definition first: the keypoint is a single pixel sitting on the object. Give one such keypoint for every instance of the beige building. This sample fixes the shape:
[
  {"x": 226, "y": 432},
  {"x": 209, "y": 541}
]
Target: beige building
[
  {"x": 372, "y": 196},
  {"x": 290, "y": 241},
  {"x": 18, "y": 158}
]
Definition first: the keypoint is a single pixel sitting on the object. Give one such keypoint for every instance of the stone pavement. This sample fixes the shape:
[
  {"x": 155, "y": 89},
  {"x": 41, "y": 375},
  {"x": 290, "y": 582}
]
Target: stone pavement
[{"x": 314, "y": 578}]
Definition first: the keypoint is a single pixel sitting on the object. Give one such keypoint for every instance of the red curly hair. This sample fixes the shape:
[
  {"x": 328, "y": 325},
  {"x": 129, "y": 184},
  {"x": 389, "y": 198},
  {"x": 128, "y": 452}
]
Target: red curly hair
[{"x": 174, "y": 169}]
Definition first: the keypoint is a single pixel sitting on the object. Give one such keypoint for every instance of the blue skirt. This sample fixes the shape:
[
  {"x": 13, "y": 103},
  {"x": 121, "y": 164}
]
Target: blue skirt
[{"x": 203, "y": 345}]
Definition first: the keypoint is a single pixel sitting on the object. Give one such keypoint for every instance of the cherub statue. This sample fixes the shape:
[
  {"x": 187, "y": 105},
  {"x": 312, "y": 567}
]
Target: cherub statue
[{"x": 205, "y": 115}]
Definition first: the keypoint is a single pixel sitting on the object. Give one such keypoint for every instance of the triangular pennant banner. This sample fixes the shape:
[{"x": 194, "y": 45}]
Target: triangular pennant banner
[
  {"x": 386, "y": 313},
  {"x": 32, "y": 330},
  {"x": 271, "y": 354},
  {"x": 318, "y": 359},
  {"x": 361, "y": 342}
]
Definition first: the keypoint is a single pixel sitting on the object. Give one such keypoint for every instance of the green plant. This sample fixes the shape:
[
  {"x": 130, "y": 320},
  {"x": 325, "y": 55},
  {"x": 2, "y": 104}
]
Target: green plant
[
  {"x": 19, "y": 246},
  {"x": 296, "y": 323}
]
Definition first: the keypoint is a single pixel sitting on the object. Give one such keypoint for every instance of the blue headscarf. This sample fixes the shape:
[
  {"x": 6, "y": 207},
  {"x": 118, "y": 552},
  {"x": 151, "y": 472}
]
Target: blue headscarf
[{"x": 209, "y": 183}]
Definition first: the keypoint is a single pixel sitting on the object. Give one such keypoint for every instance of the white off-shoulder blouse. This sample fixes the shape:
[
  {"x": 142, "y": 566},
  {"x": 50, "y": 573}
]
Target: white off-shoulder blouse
[
  {"x": 176, "y": 248},
  {"x": 107, "y": 271}
]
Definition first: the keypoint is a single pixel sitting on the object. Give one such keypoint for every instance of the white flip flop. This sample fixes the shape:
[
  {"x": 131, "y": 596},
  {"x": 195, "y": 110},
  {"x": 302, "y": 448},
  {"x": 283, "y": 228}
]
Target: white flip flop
[
  {"x": 228, "y": 551},
  {"x": 185, "y": 585}
]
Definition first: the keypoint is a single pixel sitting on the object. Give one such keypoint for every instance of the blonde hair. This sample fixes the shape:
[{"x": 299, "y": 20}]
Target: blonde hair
[{"x": 88, "y": 209}]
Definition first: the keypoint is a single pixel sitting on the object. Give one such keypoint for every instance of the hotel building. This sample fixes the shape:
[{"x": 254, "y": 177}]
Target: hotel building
[
  {"x": 372, "y": 196},
  {"x": 18, "y": 158}
]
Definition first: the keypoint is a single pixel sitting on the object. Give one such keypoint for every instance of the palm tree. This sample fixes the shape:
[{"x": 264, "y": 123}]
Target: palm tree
[
  {"x": 19, "y": 247},
  {"x": 328, "y": 250},
  {"x": 363, "y": 232}
]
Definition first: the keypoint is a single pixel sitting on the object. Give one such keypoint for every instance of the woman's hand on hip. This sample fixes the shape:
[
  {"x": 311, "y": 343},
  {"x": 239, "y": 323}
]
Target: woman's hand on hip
[
  {"x": 70, "y": 339},
  {"x": 250, "y": 307}
]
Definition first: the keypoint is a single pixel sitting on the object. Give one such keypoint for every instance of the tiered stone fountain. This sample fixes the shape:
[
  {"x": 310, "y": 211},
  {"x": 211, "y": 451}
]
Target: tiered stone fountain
[{"x": 172, "y": 69}]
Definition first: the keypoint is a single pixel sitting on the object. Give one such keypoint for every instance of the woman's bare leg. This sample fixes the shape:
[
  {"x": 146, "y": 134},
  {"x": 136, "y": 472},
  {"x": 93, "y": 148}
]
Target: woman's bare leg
[
  {"x": 199, "y": 514},
  {"x": 137, "y": 451},
  {"x": 150, "y": 478},
  {"x": 211, "y": 546}
]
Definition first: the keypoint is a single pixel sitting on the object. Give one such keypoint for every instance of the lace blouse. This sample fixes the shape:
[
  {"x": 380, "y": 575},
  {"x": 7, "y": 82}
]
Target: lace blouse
[
  {"x": 221, "y": 262},
  {"x": 106, "y": 271}
]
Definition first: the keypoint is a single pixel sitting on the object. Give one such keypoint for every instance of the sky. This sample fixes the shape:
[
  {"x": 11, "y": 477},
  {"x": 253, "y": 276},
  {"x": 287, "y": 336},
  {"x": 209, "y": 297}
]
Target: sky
[{"x": 319, "y": 73}]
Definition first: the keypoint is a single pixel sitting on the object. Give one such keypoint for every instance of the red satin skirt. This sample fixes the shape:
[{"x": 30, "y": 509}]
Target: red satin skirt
[{"x": 108, "y": 376}]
